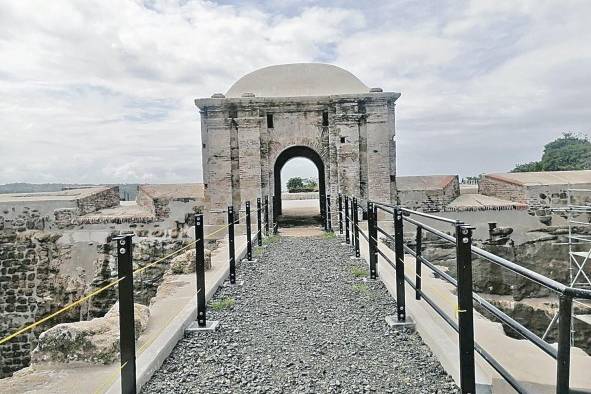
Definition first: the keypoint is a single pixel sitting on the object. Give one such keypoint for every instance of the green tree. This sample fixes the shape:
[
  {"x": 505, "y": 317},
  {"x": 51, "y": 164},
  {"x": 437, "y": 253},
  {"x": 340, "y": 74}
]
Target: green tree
[
  {"x": 569, "y": 152},
  {"x": 311, "y": 185},
  {"x": 295, "y": 184}
]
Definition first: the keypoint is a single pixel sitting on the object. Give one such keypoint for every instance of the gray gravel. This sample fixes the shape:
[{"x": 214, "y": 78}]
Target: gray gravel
[{"x": 302, "y": 323}]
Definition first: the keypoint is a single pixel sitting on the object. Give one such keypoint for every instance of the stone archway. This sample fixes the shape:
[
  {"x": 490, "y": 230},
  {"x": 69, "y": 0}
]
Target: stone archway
[
  {"x": 317, "y": 111},
  {"x": 293, "y": 152}
]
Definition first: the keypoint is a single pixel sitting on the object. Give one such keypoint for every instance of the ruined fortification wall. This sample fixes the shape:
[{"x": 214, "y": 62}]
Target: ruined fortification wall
[
  {"x": 535, "y": 196},
  {"x": 490, "y": 186},
  {"x": 97, "y": 201},
  {"x": 32, "y": 285},
  {"x": 430, "y": 200}
]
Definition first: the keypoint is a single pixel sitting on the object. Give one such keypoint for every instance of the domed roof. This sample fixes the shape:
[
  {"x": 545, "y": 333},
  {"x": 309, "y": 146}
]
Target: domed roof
[{"x": 299, "y": 79}]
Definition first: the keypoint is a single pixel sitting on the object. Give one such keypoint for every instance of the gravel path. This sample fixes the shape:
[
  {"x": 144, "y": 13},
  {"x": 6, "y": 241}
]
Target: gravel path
[{"x": 302, "y": 323}]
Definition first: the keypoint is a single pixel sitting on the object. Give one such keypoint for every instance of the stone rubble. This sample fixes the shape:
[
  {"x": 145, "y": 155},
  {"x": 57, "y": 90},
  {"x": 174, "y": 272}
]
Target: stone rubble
[
  {"x": 302, "y": 323},
  {"x": 94, "y": 341}
]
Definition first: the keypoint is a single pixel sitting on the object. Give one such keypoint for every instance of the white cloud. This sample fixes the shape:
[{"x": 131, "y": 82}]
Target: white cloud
[{"x": 103, "y": 91}]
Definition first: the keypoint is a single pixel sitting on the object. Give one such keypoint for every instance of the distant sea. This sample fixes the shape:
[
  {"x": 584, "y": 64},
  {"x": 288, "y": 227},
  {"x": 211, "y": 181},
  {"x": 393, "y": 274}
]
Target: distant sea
[{"x": 127, "y": 191}]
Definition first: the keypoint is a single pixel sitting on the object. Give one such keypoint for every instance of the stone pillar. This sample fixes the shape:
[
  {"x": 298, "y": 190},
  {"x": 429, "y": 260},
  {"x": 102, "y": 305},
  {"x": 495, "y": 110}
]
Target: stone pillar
[
  {"x": 333, "y": 143},
  {"x": 379, "y": 151},
  {"x": 219, "y": 164},
  {"x": 251, "y": 158},
  {"x": 347, "y": 122}
]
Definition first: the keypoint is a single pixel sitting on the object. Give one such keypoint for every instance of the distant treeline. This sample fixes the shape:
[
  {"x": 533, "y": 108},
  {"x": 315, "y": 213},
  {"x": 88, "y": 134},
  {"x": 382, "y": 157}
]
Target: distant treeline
[
  {"x": 572, "y": 151},
  {"x": 127, "y": 191}
]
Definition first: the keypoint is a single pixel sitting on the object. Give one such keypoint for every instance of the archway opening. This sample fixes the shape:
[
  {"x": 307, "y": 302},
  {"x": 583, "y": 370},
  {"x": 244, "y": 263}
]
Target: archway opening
[{"x": 303, "y": 208}]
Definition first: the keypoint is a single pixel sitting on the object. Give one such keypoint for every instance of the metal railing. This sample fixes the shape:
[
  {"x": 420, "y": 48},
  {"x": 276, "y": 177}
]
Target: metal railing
[
  {"x": 125, "y": 262},
  {"x": 465, "y": 293}
]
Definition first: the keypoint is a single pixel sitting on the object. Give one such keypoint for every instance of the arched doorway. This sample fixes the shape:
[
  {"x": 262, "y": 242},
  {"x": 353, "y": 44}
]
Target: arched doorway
[{"x": 284, "y": 157}]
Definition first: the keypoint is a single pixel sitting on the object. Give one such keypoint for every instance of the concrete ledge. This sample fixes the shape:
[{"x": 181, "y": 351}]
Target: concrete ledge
[
  {"x": 393, "y": 322},
  {"x": 209, "y": 326}
]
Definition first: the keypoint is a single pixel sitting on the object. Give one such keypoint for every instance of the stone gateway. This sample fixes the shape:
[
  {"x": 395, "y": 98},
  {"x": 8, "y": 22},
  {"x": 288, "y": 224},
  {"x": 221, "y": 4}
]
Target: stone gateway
[{"x": 317, "y": 111}]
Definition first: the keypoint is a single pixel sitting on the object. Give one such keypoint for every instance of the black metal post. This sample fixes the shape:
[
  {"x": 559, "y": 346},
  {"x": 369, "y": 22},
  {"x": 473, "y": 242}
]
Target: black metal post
[
  {"x": 126, "y": 313},
  {"x": 347, "y": 240},
  {"x": 266, "y": 216},
  {"x": 200, "y": 271},
  {"x": 465, "y": 308},
  {"x": 564, "y": 334},
  {"x": 274, "y": 221},
  {"x": 259, "y": 231},
  {"x": 356, "y": 227},
  {"x": 399, "y": 252},
  {"x": 248, "y": 233},
  {"x": 340, "y": 213},
  {"x": 372, "y": 232},
  {"x": 232, "y": 252},
  {"x": 328, "y": 215},
  {"x": 418, "y": 246}
]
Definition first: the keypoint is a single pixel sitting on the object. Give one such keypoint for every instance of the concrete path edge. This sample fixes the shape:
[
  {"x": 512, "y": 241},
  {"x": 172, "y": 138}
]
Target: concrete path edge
[{"x": 153, "y": 357}]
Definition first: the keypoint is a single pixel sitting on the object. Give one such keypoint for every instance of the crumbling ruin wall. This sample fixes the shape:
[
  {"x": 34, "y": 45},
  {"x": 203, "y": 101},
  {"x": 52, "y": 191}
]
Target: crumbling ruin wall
[
  {"x": 491, "y": 186},
  {"x": 104, "y": 199},
  {"x": 30, "y": 287},
  {"x": 535, "y": 196},
  {"x": 170, "y": 207},
  {"x": 429, "y": 199}
]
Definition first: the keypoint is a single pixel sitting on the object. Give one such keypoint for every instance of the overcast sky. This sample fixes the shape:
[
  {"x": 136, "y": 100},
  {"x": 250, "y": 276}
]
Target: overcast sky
[{"x": 102, "y": 91}]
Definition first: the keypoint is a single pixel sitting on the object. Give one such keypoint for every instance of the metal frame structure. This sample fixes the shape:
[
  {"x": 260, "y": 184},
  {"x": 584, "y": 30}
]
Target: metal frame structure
[{"x": 577, "y": 259}]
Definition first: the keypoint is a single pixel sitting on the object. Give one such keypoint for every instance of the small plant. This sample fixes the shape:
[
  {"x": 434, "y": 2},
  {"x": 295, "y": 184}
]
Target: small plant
[
  {"x": 361, "y": 288},
  {"x": 358, "y": 272},
  {"x": 329, "y": 235},
  {"x": 222, "y": 304},
  {"x": 270, "y": 239}
]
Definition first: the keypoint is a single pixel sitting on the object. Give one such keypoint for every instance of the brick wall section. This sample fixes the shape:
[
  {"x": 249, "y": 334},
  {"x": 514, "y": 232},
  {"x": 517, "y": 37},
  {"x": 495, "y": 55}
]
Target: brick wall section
[
  {"x": 492, "y": 186},
  {"x": 30, "y": 287},
  {"x": 97, "y": 201},
  {"x": 430, "y": 200}
]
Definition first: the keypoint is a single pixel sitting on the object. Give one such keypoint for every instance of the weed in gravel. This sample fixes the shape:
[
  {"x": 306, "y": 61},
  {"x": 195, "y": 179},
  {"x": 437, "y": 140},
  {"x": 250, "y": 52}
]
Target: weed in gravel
[
  {"x": 329, "y": 235},
  {"x": 270, "y": 239},
  {"x": 358, "y": 272},
  {"x": 222, "y": 304},
  {"x": 361, "y": 288}
]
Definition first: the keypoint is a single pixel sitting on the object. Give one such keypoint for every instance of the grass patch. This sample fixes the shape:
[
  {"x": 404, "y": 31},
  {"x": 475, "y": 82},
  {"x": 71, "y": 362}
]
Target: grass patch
[
  {"x": 361, "y": 288},
  {"x": 358, "y": 272},
  {"x": 329, "y": 235},
  {"x": 270, "y": 239},
  {"x": 222, "y": 304}
]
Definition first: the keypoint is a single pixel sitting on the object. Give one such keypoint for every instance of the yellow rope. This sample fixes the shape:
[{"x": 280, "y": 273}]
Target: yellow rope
[
  {"x": 64, "y": 309},
  {"x": 137, "y": 271}
]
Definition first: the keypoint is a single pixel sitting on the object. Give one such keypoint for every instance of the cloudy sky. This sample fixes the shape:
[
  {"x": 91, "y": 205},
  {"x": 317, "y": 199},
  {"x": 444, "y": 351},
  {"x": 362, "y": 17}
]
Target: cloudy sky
[{"x": 102, "y": 91}]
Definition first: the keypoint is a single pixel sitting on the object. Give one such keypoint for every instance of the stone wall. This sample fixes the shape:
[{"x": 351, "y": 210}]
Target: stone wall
[
  {"x": 300, "y": 196},
  {"x": 97, "y": 201},
  {"x": 432, "y": 199},
  {"x": 491, "y": 186},
  {"x": 31, "y": 286},
  {"x": 543, "y": 196},
  {"x": 171, "y": 202},
  {"x": 535, "y": 196}
]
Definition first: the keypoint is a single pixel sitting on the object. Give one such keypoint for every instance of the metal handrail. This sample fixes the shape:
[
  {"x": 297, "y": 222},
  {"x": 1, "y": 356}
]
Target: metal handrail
[
  {"x": 465, "y": 293},
  {"x": 515, "y": 325},
  {"x": 410, "y": 211}
]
